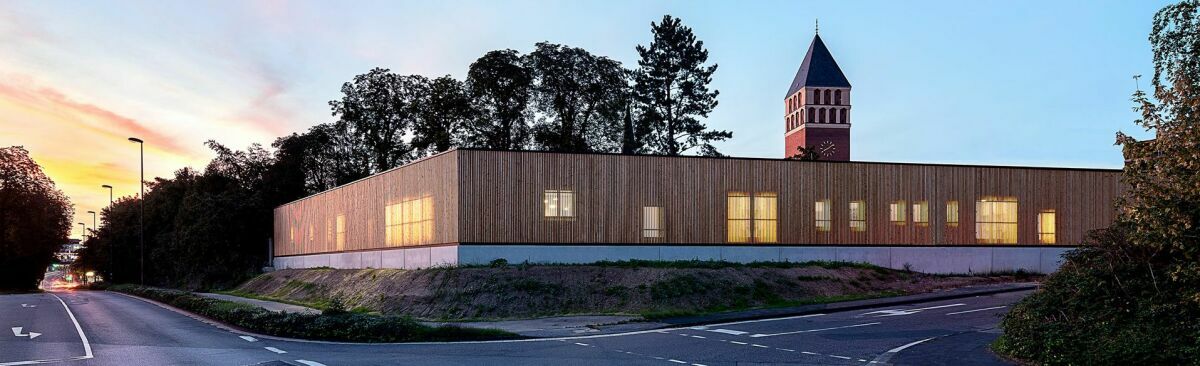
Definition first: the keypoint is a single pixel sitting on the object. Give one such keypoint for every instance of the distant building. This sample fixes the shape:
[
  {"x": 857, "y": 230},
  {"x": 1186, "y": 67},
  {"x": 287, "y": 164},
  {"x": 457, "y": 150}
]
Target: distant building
[{"x": 471, "y": 206}]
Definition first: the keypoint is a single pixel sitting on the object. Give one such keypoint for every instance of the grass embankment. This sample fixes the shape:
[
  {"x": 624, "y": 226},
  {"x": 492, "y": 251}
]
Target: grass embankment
[
  {"x": 652, "y": 289},
  {"x": 333, "y": 324}
]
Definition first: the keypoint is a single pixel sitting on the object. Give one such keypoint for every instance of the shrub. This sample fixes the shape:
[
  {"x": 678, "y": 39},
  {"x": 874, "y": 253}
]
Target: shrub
[{"x": 332, "y": 326}]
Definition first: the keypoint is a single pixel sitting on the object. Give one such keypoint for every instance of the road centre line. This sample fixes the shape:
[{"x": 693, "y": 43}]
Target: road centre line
[
  {"x": 310, "y": 363},
  {"x": 883, "y": 358},
  {"x": 813, "y": 330},
  {"x": 728, "y": 331},
  {"x": 972, "y": 311}
]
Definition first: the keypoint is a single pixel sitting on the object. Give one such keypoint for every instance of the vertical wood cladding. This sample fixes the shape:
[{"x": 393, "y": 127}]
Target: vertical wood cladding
[
  {"x": 309, "y": 225},
  {"x": 501, "y": 198}
]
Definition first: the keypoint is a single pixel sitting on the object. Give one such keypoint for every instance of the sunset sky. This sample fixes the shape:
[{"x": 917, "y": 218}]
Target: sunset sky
[{"x": 1005, "y": 83}]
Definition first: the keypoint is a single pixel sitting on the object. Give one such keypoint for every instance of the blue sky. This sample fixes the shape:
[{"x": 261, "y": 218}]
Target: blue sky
[{"x": 980, "y": 82}]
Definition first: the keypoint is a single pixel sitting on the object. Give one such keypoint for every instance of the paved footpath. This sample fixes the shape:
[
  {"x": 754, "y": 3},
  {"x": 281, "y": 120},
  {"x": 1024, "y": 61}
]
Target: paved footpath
[{"x": 115, "y": 329}]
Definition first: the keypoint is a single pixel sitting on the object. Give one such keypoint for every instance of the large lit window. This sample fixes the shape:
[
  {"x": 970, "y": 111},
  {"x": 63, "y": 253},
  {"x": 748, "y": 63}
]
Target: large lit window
[
  {"x": 824, "y": 217},
  {"x": 896, "y": 213},
  {"x": 1046, "y": 227},
  {"x": 952, "y": 213},
  {"x": 752, "y": 219},
  {"x": 921, "y": 213},
  {"x": 559, "y": 203},
  {"x": 996, "y": 220},
  {"x": 341, "y": 232},
  {"x": 409, "y": 222},
  {"x": 652, "y": 222},
  {"x": 858, "y": 216}
]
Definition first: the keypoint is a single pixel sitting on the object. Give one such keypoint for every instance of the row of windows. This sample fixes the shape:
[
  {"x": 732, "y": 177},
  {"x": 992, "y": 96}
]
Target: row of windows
[
  {"x": 754, "y": 217},
  {"x": 818, "y": 115},
  {"x": 826, "y": 96}
]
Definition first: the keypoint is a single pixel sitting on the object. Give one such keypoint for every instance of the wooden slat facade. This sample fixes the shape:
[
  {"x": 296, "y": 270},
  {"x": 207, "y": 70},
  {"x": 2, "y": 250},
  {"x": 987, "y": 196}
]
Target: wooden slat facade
[
  {"x": 501, "y": 198},
  {"x": 364, "y": 203},
  {"x": 483, "y": 196}
]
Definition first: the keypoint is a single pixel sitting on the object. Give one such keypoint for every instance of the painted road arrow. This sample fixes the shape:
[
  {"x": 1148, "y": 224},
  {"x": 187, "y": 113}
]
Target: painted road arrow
[{"x": 31, "y": 335}]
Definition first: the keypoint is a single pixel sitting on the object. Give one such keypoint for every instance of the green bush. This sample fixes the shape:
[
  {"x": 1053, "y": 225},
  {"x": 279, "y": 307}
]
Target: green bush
[
  {"x": 331, "y": 326},
  {"x": 1110, "y": 304}
]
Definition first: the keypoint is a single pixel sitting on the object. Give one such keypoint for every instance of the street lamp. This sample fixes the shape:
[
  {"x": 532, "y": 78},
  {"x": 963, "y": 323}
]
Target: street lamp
[
  {"x": 82, "y": 231},
  {"x": 111, "y": 260},
  {"x": 93, "y": 220},
  {"x": 141, "y": 208}
]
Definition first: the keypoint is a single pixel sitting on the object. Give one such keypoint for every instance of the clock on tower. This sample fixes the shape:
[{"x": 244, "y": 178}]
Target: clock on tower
[{"x": 817, "y": 107}]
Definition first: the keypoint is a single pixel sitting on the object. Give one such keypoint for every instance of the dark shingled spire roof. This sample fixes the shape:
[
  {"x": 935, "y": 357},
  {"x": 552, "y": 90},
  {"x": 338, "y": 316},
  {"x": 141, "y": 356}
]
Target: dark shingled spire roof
[{"x": 818, "y": 69}]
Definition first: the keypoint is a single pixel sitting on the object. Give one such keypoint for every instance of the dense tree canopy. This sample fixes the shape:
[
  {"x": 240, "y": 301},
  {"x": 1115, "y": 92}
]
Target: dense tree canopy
[
  {"x": 35, "y": 219},
  {"x": 499, "y": 85},
  {"x": 579, "y": 98}
]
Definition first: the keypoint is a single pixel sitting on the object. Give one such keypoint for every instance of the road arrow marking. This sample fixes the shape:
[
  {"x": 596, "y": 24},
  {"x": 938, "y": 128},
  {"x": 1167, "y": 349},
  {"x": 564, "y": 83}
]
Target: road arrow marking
[
  {"x": 31, "y": 335},
  {"x": 276, "y": 350},
  {"x": 891, "y": 312}
]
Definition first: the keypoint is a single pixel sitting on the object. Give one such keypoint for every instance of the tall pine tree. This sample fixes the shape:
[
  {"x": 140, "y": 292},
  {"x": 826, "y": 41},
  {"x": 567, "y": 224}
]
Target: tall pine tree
[{"x": 672, "y": 91}]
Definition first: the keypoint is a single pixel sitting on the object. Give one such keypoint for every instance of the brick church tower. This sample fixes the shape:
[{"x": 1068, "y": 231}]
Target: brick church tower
[{"x": 818, "y": 107}]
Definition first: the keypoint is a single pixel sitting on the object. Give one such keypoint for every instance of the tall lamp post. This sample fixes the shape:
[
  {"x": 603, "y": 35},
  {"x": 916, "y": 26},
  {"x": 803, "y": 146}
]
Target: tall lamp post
[
  {"x": 82, "y": 231},
  {"x": 141, "y": 208},
  {"x": 111, "y": 260},
  {"x": 93, "y": 220}
]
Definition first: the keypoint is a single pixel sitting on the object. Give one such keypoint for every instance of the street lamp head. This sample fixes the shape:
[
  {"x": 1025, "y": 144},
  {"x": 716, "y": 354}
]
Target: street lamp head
[
  {"x": 105, "y": 186},
  {"x": 91, "y": 212},
  {"x": 135, "y": 139}
]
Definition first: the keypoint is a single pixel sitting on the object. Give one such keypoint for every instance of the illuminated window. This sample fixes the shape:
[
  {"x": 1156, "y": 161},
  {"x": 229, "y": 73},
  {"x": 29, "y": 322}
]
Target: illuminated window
[
  {"x": 341, "y": 232},
  {"x": 952, "y": 213},
  {"x": 559, "y": 204},
  {"x": 858, "y": 216},
  {"x": 1046, "y": 227},
  {"x": 996, "y": 220},
  {"x": 409, "y": 222},
  {"x": 752, "y": 219},
  {"x": 896, "y": 213},
  {"x": 652, "y": 222},
  {"x": 824, "y": 218},
  {"x": 921, "y": 213}
]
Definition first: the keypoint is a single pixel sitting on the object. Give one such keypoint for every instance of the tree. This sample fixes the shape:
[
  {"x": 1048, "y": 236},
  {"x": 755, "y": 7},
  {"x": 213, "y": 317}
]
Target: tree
[
  {"x": 376, "y": 108},
  {"x": 803, "y": 153},
  {"x": 672, "y": 92},
  {"x": 579, "y": 98},
  {"x": 498, "y": 84},
  {"x": 35, "y": 218},
  {"x": 442, "y": 112}
]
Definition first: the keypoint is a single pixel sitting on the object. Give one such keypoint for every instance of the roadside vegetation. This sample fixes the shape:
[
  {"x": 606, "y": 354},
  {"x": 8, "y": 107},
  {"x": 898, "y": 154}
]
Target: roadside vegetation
[
  {"x": 651, "y": 289},
  {"x": 35, "y": 218},
  {"x": 333, "y": 324},
  {"x": 1131, "y": 295}
]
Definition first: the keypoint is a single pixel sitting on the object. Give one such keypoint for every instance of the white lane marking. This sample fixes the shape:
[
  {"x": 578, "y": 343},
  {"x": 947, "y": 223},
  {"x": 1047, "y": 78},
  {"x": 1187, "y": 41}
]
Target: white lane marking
[
  {"x": 972, "y": 311},
  {"x": 810, "y": 353},
  {"x": 248, "y": 338},
  {"x": 87, "y": 347},
  {"x": 758, "y": 321},
  {"x": 759, "y": 346},
  {"x": 897, "y": 312},
  {"x": 698, "y": 364},
  {"x": 736, "y": 342},
  {"x": 582, "y": 344},
  {"x": 310, "y": 363},
  {"x": 841, "y": 357},
  {"x": 276, "y": 350},
  {"x": 813, "y": 330},
  {"x": 677, "y": 361},
  {"x": 886, "y": 356},
  {"x": 28, "y": 306},
  {"x": 696, "y": 336},
  {"x": 728, "y": 331},
  {"x": 786, "y": 350}
]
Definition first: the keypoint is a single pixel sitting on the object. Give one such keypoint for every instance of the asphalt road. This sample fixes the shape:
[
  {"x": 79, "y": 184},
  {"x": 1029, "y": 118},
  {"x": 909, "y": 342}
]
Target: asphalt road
[{"x": 115, "y": 329}]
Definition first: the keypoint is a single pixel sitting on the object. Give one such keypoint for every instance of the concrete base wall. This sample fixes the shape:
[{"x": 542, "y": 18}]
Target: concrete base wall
[
  {"x": 926, "y": 259},
  {"x": 404, "y": 258},
  {"x": 938, "y": 260}
]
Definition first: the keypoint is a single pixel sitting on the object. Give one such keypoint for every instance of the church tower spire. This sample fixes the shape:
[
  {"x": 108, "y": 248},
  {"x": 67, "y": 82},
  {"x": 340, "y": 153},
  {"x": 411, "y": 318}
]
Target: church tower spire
[{"x": 817, "y": 106}]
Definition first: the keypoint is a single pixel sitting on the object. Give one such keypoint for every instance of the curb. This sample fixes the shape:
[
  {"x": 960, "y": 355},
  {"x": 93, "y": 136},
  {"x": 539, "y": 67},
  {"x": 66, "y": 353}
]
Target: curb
[{"x": 846, "y": 305}]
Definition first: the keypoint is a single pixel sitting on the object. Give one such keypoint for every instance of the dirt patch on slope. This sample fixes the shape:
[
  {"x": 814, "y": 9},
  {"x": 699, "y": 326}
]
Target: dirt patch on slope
[{"x": 544, "y": 290}]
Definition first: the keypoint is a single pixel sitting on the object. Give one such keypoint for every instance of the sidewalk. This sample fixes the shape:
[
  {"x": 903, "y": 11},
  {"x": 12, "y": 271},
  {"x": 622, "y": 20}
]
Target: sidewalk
[
  {"x": 565, "y": 326},
  {"x": 269, "y": 305}
]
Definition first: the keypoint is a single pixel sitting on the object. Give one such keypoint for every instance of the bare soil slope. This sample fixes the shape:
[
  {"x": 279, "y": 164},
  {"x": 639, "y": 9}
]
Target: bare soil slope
[{"x": 543, "y": 290}]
